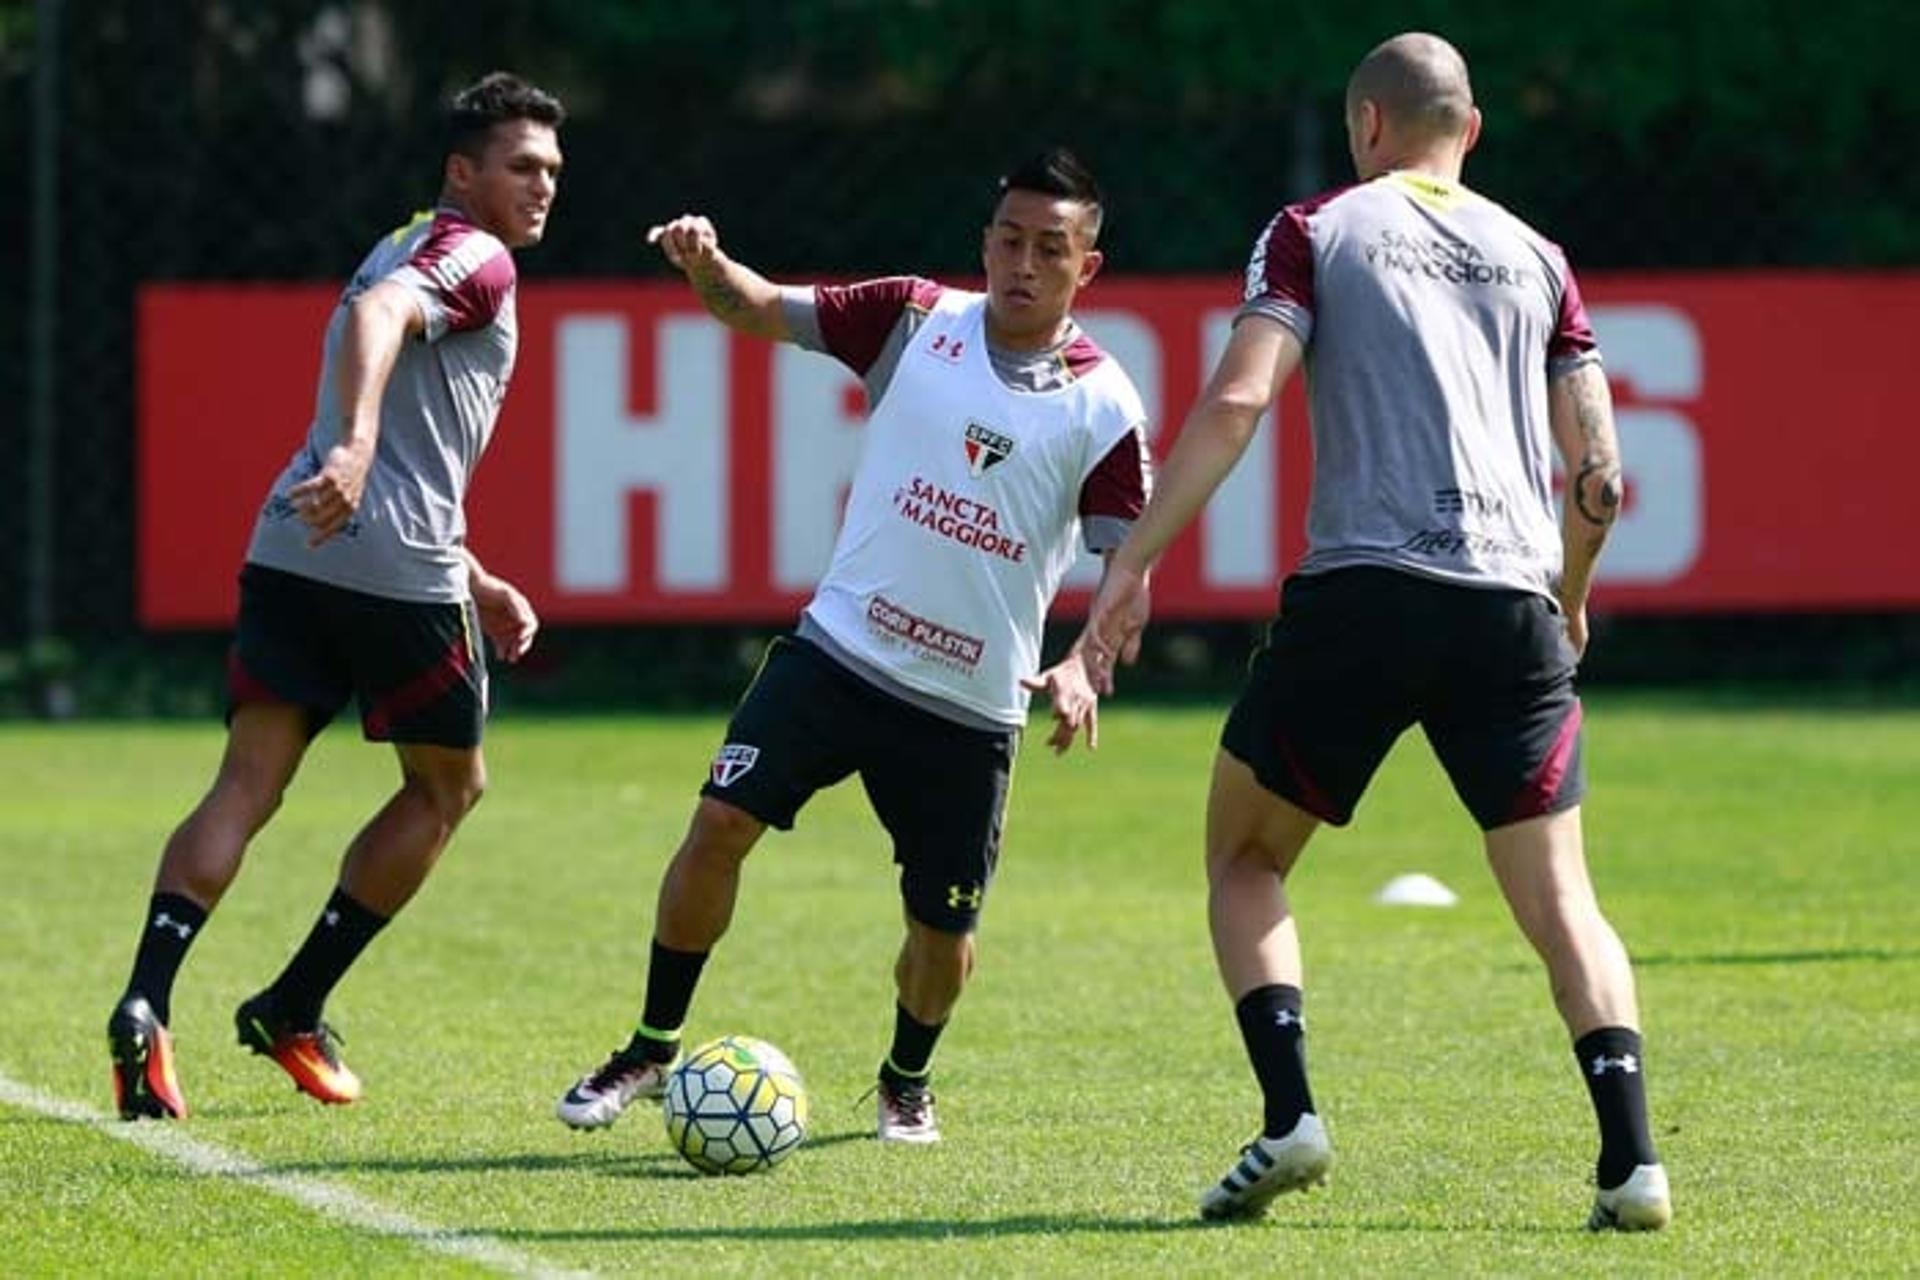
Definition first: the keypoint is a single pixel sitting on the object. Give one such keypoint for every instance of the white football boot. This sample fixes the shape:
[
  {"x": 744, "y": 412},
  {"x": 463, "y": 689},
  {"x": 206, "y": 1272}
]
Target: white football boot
[
  {"x": 906, "y": 1114},
  {"x": 1641, "y": 1203},
  {"x": 1269, "y": 1167},
  {"x": 598, "y": 1099}
]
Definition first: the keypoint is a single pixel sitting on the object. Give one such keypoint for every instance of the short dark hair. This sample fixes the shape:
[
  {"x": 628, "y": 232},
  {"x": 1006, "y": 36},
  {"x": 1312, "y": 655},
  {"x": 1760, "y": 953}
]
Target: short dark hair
[
  {"x": 496, "y": 98},
  {"x": 1058, "y": 172}
]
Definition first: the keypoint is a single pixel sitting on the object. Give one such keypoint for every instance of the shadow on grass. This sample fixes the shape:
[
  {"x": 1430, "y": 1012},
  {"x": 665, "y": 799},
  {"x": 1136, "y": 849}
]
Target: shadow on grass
[
  {"x": 1712, "y": 959},
  {"x": 1832, "y": 955},
  {"x": 1036, "y": 1224},
  {"x": 612, "y": 1164}
]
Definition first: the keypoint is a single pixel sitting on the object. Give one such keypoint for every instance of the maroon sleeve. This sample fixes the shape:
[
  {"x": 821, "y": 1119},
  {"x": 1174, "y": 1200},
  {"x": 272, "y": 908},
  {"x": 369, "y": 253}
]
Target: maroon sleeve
[
  {"x": 471, "y": 272},
  {"x": 1282, "y": 263},
  {"x": 1572, "y": 332},
  {"x": 855, "y": 319},
  {"x": 1117, "y": 487}
]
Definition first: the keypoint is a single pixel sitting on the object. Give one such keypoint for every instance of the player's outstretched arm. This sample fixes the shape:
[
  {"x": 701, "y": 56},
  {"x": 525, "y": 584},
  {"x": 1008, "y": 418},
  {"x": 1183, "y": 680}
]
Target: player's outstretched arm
[
  {"x": 379, "y": 320},
  {"x": 1580, "y": 411},
  {"x": 736, "y": 295},
  {"x": 1260, "y": 357}
]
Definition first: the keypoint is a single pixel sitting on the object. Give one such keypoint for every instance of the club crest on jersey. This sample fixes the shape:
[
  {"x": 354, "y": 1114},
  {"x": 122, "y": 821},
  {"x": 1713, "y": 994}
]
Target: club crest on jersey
[
  {"x": 732, "y": 763},
  {"x": 985, "y": 447}
]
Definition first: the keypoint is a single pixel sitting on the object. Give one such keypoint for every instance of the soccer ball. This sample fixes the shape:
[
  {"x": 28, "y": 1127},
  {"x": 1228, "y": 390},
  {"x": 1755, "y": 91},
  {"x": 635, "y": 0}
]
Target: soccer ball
[{"x": 735, "y": 1105}]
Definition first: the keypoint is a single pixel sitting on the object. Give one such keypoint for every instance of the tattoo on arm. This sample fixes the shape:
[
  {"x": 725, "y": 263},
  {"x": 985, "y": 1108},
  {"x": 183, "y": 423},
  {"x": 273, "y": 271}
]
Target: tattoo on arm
[
  {"x": 1597, "y": 487},
  {"x": 1597, "y": 490}
]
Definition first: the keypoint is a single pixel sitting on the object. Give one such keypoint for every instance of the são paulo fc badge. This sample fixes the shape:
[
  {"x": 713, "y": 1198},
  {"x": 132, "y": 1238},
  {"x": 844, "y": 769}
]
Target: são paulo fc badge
[
  {"x": 732, "y": 762},
  {"x": 985, "y": 447}
]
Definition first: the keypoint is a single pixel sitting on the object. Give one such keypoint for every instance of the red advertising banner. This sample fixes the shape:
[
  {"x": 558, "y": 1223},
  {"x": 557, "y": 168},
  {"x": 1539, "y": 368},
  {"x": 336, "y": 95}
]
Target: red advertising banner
[{"x": 649, "y": 465}]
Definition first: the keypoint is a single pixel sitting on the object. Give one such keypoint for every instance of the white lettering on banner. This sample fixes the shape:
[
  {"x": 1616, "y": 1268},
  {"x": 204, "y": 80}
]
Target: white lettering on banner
[
  {"x": 604, "y": 454},
  {"x": 816, "y": 446},
  {"x": 1132, "y": 342},
  {"x": 1241, "y": 543},
  {"x": 1656, "y": 351}
]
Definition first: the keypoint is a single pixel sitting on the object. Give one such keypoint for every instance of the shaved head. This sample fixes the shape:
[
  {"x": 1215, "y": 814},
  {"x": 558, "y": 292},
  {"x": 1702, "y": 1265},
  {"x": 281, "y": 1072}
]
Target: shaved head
[{"x": 1419, "y": 83}]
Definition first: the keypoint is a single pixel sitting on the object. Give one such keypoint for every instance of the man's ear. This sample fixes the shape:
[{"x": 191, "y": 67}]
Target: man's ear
[
  {"x": 1090, "y": 265},
  {"x": 458, "y": 172}
]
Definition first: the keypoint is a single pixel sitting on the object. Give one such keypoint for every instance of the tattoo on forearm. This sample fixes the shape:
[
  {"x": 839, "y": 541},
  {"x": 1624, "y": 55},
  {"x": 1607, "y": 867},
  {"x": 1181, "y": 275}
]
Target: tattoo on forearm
[
  {"x": 1596, "y": 490},
  {"x": 720, "y": 297}
]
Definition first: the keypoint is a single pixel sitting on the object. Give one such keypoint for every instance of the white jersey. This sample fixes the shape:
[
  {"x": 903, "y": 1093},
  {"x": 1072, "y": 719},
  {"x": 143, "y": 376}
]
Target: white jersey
[{"x": 963, "y": 514}]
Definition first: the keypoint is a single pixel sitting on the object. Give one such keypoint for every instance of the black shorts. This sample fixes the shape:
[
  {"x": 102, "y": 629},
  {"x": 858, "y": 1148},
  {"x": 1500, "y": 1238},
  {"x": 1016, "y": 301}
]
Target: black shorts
[
  {"x": 419, "y": 669},
  {"x": 939, "y": 788},
  {"x": 1357, "y": 655}
]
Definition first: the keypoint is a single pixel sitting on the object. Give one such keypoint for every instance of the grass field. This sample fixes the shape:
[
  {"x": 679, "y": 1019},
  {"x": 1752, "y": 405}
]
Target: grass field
[{"x": 1761, "y": 863}]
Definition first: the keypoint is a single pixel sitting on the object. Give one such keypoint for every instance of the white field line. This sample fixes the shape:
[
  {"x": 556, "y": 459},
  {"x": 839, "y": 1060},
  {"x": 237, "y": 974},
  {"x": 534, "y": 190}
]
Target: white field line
[{"x": 325, "y": 1198}]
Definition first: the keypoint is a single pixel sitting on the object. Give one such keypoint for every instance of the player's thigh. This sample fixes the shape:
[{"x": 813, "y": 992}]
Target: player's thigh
[
  {"x": 940, "y": 790},
  {"x": 283, "y": 652},
  {"x": 1324, "y": 698},
  {"x": 419, "y": 669},
  {"x": 1506, "y": 727},
  {"x": 797, "y": 729}
]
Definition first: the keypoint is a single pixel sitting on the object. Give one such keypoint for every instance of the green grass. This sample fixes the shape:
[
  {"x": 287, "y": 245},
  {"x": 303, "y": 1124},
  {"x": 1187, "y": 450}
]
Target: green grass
[{"x": 1760, "y": 862}]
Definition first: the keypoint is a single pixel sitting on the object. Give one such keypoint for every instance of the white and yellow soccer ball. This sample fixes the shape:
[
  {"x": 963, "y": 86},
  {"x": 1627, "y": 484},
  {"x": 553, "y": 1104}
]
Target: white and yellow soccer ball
[{"x": 735, "y": 1105}]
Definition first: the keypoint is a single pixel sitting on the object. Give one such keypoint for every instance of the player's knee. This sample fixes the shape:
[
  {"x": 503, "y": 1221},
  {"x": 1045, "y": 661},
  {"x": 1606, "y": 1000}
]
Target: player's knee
[
  {"x": 946, "y": 951},
  {"x": 720, "y": 832},
  {"x": 453, "y": 791},
  {"x": 244, "y": 797}
]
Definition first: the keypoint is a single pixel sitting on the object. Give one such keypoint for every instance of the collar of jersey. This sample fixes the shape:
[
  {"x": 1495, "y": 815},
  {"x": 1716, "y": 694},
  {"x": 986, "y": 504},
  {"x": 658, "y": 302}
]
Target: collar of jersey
[{"x": 1435, "y": 192}]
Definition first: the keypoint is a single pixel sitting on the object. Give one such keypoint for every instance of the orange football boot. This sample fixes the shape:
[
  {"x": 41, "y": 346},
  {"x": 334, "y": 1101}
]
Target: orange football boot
[
  {"x": 144, "y": 1083},
  {"x": 311, "y": 1057}
]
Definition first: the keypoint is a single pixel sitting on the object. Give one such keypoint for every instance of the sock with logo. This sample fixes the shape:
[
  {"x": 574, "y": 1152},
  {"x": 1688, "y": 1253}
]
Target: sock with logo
[
  {"x": 173, "y": 922},
  {"x": 671, "y": 977},
  {"x": 912, "y": 1049},
  {"x": 339, "y": 936},
  {"x": 1275, "y": 1036},
  {"x": 1611, "y": 1065}
]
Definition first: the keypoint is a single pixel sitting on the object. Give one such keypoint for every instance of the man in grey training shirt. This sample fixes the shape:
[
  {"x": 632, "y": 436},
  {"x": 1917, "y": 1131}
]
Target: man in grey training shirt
[
  {"x": 358, "y": 584},
  {"x": 1447, "y": 351}
]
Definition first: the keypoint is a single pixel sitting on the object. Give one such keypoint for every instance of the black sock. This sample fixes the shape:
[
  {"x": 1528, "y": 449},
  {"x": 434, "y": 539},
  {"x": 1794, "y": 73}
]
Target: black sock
[
  {"x": 912, "y": 1049},
  {"x": 339, "y": 936},
  {"x": 1611, "y": 1065},
  {"x": 1275, "y": 1034},
  {"x": 671, "y": 977},
  {"x": 173, "y": 922}
]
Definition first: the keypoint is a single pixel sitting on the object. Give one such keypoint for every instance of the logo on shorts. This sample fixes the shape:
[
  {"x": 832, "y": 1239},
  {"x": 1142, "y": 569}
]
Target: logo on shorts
[
  {"x": 733, "y": 762},
  {"x": 985, "y": 447},
  {"x": 965, "y": 895}
]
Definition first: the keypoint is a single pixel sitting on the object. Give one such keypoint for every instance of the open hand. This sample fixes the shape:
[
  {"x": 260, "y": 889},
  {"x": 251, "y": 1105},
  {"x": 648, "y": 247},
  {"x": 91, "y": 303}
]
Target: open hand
[{"x": 1075, "y": 704}]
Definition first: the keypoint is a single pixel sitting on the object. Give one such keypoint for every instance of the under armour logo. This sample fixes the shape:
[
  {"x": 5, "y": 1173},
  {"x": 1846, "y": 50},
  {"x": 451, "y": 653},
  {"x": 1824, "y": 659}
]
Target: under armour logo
[
  {"x": 1626, "y": 1063},
  {"x": 1288, "y": 1018},
  {"x": 180, "y": 927},
  {"x": 331, "y": 916},
  {"x": 964, "y": 895}
]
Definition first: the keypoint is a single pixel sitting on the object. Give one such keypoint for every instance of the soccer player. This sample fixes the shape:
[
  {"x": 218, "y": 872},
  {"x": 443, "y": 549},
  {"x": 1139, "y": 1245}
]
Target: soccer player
[
  {"x": 1448, "y": 352},
  {"x": 358, "y": 583},
  {"x": 997, "y": 429}
]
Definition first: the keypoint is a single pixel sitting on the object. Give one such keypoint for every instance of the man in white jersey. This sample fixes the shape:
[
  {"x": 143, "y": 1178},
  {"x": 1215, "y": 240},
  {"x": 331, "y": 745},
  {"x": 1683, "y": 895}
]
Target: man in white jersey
[
  {"x": 358, "y": 584},
  {"x": 1448, "y": 352},
  {"x": 997, "y": 431}
]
